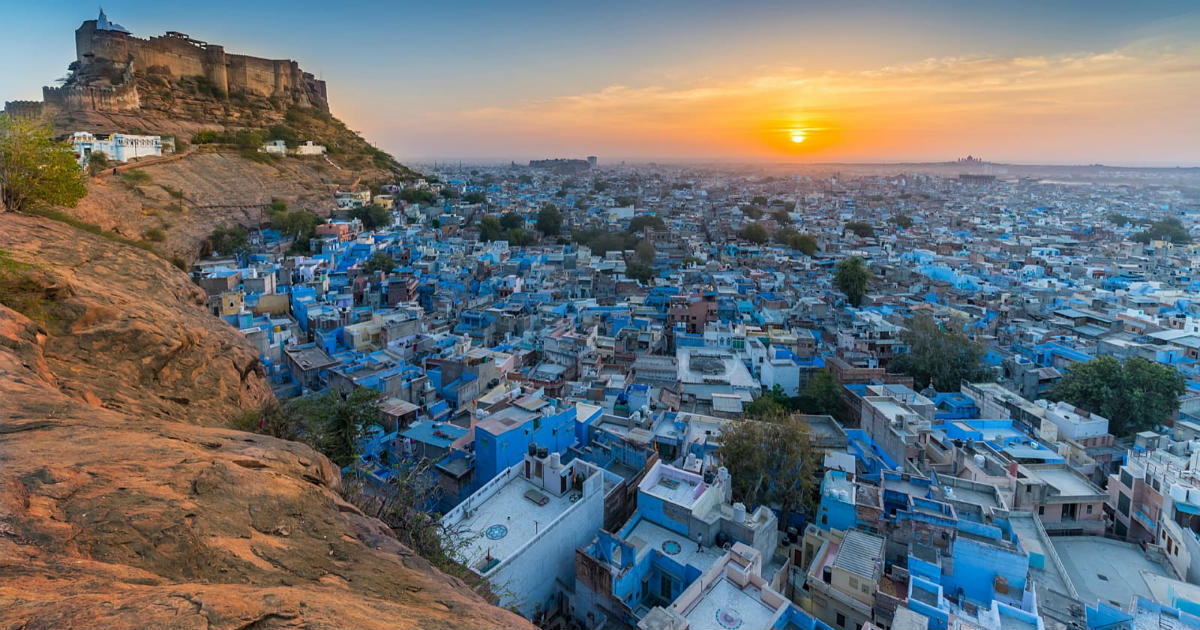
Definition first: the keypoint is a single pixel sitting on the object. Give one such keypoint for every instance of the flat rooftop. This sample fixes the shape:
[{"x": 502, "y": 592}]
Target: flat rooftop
[
  {"x": 647, "y": 535},
  {"x": 1034, "y": 542},
  {"x": 727, "y": 606},
  {"x": 506, "y": 520},
  {"x": 673, "y": 485},
  {"x": 1105, "y": 570},
  {"x": 1067, "y": 482}
]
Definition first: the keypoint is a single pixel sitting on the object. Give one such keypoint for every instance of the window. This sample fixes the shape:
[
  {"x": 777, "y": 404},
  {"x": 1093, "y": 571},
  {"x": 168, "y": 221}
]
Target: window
[
  {"x": 1041, "y": 510},
  {"x": 841, "y": 620},
  {"x": 1089, "y": 509},
  {"x": 1126, "y": 479},
  {"x": 1123, "y": 503},
  {"x": 853, "y": 582}
]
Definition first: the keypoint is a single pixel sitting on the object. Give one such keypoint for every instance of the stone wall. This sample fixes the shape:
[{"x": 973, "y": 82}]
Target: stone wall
[
  {"x": 177, "y": 55},
  {"x": 25, "y": 109},
  {"x": 92, "y": 98}
]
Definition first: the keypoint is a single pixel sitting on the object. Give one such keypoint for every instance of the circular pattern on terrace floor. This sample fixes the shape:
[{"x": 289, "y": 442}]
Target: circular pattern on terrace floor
[
  {"x": 671, "y": 547},
  {"x": 496, "y": 532},
  {"x": 729, "y": 618}
]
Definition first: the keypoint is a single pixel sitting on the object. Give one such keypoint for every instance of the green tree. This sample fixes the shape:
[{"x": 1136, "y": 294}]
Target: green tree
[
  {"x": 379, "y": 261},
  {"x": 772, "y": 462},
  {"x": 645, "y": 252},
  {"x": 1134, "y": 395},
  {"x": 285, "y": 133},
  {"x": 771, "y": 405},
  {"x": 373, "y": 217},
  {"x": 226, "y": 241},
  {"x": 474, "y": 197},
  {"x": 639, "y": 271},
  {"x": 1168, "y": 229},
  {"x": 754, "y": 212},
  {"x": 860, "y": 228},
  {"x": 643, "y": 221},
  {"x": 825, "y": 393},
  {"x": 549, "y": 220},
  {"x": 333, "y": 422},
  {"x": 510, "y": 220},
  {"x": 851, "y": 278},
  {"x": 298, "y": 225},
  {"x": 97, "y": 163},
  {"x": 34, "y": 168},
  {"x": 754, "y": 233},
  {"x": 805, "y": 243},
  {"x": 490, "y": 229},
  {"x": 939, "y": 355},
  {"x": 782, "y": 217},
  {"x": 759, "y": 200},
  {"x": 903, "y": 221},
  {"x": 518, "y": 237},
  {"x": 418, "y": 196}
]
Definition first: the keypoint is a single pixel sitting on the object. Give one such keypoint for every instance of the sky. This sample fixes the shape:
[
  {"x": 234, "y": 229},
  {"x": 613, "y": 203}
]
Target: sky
[{"x": 1046, "y": 81}]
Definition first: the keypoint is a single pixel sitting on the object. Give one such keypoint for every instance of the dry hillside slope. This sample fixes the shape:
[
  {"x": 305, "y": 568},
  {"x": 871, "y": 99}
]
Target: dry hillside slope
[
  {"x": 187, "y": 198},
  {"x": 122, "y": 506}
]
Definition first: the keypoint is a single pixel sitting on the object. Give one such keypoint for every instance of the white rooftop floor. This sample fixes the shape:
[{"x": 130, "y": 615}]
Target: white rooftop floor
[
  {"x": 513, "y": 520},
  {"x": 727, "y": 606},
  {"x": 647, "y": 535}
]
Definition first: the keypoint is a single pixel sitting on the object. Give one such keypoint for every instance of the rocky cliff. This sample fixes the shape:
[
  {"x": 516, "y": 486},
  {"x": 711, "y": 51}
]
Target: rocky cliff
[{"x": 122, "y": 501}]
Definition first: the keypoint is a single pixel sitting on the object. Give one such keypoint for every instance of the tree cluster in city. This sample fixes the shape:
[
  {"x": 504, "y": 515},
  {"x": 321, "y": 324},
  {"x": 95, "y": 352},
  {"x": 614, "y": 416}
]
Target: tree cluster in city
[
  {"x": 772, "y": 462},
  {"x": 939, "y": 354},
  {"x": 1134, "y": 394},
  {"x": 851, "y": 277}
]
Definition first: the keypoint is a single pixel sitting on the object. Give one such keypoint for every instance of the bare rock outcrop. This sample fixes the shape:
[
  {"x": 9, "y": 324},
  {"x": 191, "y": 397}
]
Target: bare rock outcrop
[{"x": 121, "y": 506}]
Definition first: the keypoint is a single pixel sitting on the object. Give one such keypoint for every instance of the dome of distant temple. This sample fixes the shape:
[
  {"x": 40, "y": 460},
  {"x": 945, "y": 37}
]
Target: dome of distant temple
[{"x": 102, "y": 24}]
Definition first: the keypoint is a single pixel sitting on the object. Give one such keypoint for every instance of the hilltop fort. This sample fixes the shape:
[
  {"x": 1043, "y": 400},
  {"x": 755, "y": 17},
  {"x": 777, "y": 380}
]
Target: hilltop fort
[{"x": 115, "y": 72}]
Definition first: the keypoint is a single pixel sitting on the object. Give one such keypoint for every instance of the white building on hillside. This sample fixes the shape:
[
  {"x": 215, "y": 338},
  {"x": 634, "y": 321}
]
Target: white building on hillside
[{"x": 118, "y": 147}]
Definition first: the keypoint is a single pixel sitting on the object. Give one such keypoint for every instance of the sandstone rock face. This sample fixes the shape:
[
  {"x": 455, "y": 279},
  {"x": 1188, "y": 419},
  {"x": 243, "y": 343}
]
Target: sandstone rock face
[{"x": 119, "y": 508}]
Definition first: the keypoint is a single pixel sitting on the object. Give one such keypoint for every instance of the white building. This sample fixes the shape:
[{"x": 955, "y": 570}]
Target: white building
[
  {"x": 308, "y": 148},
  {"x": 520, "y": 530},
  {"x": 1076, "y": 424},
  {"x": 275, "y": 147},
  {"x": 118, "y": 147}
]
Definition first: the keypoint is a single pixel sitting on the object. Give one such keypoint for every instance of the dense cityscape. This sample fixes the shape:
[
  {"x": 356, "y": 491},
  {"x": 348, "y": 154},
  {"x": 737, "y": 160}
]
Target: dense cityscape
[
  {"x": 929, "y": 339},
  {"x": 731, "y": 316}
]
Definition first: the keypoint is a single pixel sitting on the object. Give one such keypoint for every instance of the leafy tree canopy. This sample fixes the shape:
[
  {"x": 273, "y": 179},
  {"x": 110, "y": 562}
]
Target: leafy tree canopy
[
  {"x": 861, "y": 228},
  {"x": 34, "y": 168},
  {"x": 1135, "y": 395},
  {"x": 373, "y": 217},
  {"x": 772, "y": 462},
  {"x": 549, "y": 220},
  {"x": 851, "y": 278},
  {"x": 379, "y": 261},
  {"x": 754, "y": 233},
  {"x": 939, "y": 355}
]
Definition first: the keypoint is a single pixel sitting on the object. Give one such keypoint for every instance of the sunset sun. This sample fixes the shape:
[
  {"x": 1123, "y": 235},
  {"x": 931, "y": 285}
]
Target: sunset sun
[{"x": 798, "y": 135}]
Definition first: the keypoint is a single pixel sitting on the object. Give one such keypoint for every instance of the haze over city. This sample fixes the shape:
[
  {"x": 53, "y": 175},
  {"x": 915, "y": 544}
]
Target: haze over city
[{"x": 1076, "y": 82}]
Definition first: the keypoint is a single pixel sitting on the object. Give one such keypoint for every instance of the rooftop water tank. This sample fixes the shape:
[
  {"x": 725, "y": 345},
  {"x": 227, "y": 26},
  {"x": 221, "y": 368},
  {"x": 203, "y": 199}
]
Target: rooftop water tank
[{"x": 739, "y": 512}]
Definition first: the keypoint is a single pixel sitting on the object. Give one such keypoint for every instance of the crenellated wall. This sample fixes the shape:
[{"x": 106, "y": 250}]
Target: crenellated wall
[
  {"x": 25, "y": 109},
  {"x": 92, "y": 98},
  {"x": 178, "y": 55}
]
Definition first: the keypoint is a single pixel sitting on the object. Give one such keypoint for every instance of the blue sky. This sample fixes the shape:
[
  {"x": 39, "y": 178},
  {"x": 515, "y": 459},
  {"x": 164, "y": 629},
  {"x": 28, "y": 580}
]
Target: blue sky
[{"x": 524, "y": 79}]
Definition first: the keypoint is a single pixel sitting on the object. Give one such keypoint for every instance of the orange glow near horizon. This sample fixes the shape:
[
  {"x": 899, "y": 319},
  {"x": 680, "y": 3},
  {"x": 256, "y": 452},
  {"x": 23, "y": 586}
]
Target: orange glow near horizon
[{"x": 1016, "y": 108}]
